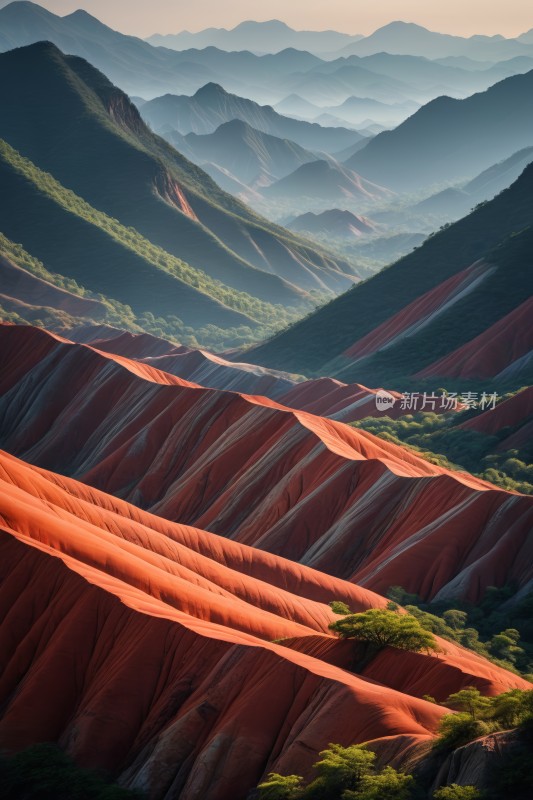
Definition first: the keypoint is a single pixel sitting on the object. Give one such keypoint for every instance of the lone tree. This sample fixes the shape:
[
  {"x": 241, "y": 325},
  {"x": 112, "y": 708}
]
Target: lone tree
[
  {"x": 385, "y": 628},
  {"x": 470, "y": 700}
]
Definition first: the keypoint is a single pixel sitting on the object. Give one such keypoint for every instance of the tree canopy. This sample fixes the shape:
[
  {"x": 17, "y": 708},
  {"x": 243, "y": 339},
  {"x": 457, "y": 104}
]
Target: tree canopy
[{"x": 385, "y": 628}]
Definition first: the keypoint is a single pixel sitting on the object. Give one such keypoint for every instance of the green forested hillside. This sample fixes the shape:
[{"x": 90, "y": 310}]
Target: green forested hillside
[{"x": 92, "y": 139}]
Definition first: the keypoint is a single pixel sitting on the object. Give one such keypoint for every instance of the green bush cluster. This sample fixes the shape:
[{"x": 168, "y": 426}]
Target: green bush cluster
[
  {"x": 503, "y": 636},
  {"x": 382, "y": 627},
  {"x": 478, "y": 715},
  {"x": 438, "y": 438},
  {"x": 342, "y": 773}
]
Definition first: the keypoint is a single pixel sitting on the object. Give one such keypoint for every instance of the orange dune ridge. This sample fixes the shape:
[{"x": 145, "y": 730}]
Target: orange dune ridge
[
  {"x": 294, "y": 484},
  {"x": 142, "y": 646}
]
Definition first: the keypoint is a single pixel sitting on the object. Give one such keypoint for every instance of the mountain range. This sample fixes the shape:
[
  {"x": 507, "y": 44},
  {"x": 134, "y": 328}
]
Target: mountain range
[
  {"x": 396, "y": 37},
  {"x": 406, "y": 317},
  {"x": 211, "y": 106},
  {"x": 146, "y": 71},
  {"x": 259, "y": 37},
  {"x": 211, "y": 458},
  {"x": 147, "y": 185},
  {"x": 451, "y": 139}
]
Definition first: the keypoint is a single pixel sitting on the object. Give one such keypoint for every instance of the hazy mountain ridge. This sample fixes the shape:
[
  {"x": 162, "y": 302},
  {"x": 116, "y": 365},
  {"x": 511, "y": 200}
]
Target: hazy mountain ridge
[
  {"x": 212, "y": 105},
  {"x": 451, "y": 139},
  {"x": 261, "y": 37}
]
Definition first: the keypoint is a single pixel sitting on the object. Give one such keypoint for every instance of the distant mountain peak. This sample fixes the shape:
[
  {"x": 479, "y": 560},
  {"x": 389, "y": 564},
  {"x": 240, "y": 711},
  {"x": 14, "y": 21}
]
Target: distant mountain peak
[
  {"x": 83, "y": 16},
  {"x": 401, "y": 25},
  {"x": 210, "y": 90},
  {"x": 25, "y": 7},
  {"x": 272, "y": 24}
]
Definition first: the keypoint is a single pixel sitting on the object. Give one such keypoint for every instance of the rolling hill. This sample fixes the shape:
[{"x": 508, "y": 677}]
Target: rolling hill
[
  {"x": 148, "y": 185},
  {"x": 450, "y": 139},
  {"x": 456, "y": 285}
]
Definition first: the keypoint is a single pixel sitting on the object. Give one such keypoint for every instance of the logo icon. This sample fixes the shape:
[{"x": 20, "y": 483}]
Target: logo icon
[{"x": 384, "y": 400}]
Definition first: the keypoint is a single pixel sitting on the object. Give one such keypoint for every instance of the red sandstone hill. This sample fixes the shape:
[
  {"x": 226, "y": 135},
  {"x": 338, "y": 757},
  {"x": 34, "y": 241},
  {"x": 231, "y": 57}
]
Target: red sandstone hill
[
  {"x": 287, "y": 482},
  {"x": 514, "y": 414},
  {"x": 143, "y": 647},
  {"x": 324, "y": 396},
  {"x": 501, "y": 351}
]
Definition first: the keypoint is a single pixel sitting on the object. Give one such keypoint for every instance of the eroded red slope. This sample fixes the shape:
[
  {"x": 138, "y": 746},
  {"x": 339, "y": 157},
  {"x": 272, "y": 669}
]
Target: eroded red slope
[
  {"x": 512, "y": 413},
  {"x": 288, "y": 482},
  {"x": 498, "y": 349},
  {"x": 324, "y": 396},
  {"x": 125, "y": 679},
  {"x": 421, "y": 312},
  {"x": 139, "y": 645}
]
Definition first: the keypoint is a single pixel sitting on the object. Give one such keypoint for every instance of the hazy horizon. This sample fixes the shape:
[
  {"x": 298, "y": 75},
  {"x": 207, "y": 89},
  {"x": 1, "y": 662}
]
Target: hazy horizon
[{"x": 169, "y": 16}]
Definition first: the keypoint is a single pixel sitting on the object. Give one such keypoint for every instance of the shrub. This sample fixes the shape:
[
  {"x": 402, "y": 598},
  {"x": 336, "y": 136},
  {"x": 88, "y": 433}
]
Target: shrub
[
  {"x": 470, "y": 700},
  {"x": 386, "y": 785},
  {"x": 344, "y": 767},
  {"x": 338, "y": 607},
  {"x": 512, "y": 708},
  {"x": 458, "y": 729},
  {"x": 384, "y": 628},
  {"x": 280, "y": 787},
  {"x": 455, "y": 792}
]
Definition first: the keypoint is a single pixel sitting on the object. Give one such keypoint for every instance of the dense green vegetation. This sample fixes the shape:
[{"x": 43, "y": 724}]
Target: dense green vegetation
[
  {"x": 382, "y": 627},
  {"x": 493, "y": 628},
  {"x": 455, "y": 792},
  {"x": 44, "y": 772},
  {"x": 117, "y": 314},
  {"x": 343, "y": 773},
  {"x": 438, "y": 438},
  {"x": 87, "y": 253},
  {"x": 132, "y": 240},
  {"x": 478, "y": 715}
]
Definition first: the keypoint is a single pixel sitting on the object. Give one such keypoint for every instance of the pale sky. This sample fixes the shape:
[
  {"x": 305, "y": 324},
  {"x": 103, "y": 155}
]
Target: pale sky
[{"x": 462, "y": 17}]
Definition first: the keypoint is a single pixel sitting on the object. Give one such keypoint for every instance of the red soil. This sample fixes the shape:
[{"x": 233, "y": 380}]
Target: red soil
[
  {"x": 294, "y": 484},
  {"x": 142, "y": 647},
  {"x": 493, "y": 351}
]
